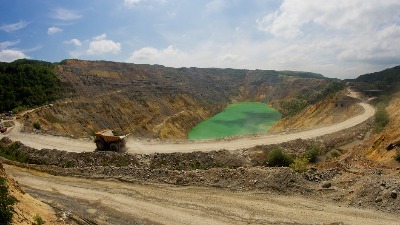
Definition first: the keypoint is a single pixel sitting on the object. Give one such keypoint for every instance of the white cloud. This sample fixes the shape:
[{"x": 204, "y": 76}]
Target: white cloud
[
  {"x": 11, "y": 55},
  {"x": 132, "y": 2},
  {"x": 74, "y": 41},
  {"x": 168, "y": 56},
  {"x": 348, "y": 16},
  {"x": 7, "y": 44},
  {"x": 336, "y": 37},
  {"x": 15, "y": 26},
  {"x": 100, "y": 37},
  {"x": 53, "y": 30},
  {"x": 100, "y": 45},
  {"x": 65, "y": 14}
]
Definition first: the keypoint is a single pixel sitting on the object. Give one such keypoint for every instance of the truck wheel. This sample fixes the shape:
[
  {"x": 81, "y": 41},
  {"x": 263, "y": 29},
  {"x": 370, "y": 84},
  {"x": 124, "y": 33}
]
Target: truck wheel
[
  {"x": 114, "y": 147},
  {"x": 100, "y": 146}
]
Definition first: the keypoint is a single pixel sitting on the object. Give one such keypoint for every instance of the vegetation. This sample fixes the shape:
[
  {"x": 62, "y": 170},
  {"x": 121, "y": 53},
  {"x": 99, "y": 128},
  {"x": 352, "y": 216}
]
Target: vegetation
[
  {"x": 335, "y": 153},
  {"x": 27, "y": 83},
  {"x": 299, "y": 164},
  {"x": 293, "y": 106},
  {"x": 381, "y": 118},
  {"x": 38, "y": 220},
  {"x": 37, "y": 125},
  {"x": 13, "y": 152},
  {"x": 398, "y": 157},
  {"x": 6, "y": 203},
  {"x": 312, "y": 154},
  {"x": 388, "y": 81},
  {"x": 276, "y": 158}
]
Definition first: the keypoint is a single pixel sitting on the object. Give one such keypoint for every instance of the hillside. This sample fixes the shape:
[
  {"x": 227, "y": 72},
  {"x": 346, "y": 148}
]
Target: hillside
[
  {"x": 335, "y": 108},
  {"x": 27, "y": 83},
  {"x": 387, "y": 81},
  {"x": 153, "y": 101}
]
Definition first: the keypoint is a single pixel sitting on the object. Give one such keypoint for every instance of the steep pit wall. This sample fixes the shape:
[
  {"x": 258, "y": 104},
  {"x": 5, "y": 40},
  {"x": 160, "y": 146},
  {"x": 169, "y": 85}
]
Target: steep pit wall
[{"x": 151, "y": 101}]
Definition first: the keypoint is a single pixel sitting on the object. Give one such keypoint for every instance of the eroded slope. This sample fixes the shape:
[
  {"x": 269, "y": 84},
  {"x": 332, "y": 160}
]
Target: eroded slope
[{"x": 161, "y": 102}]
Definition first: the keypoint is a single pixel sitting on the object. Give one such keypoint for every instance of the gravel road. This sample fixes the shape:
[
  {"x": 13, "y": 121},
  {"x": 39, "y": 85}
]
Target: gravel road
[
  {"x": 114, "y": 202},
  {"x": 152, "y": 146}
]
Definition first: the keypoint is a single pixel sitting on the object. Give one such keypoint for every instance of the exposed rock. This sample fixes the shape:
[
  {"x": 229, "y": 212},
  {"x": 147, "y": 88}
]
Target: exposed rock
[
  {"x": 393, "y": 194},
  {"x": 6, "y": 140},
  {"x": 327, "y": 185}
]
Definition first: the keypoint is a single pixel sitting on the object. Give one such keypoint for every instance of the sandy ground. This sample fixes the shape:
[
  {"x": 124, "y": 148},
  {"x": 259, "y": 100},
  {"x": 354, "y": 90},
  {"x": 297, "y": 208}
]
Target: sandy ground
[
  {"x": 114, "y": 202},
  {"x": 152, "y": 146}
]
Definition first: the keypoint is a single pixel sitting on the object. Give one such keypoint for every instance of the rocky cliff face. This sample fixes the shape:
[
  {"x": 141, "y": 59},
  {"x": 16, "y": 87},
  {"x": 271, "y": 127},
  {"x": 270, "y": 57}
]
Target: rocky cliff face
[{"x": 154, "y": 101}]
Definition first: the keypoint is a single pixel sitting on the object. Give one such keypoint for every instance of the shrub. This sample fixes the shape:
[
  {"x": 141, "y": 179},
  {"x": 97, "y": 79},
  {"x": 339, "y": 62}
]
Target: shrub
[
  {"x": 37, "y": 126},
  {"x": 299, "y": 165},
  {"x": 398, "y": 157},
  {"x": 312, "y": 154},
  {"x": 278, "y": 158},
  {"x": 38, "y": 220},
  {"x": 335, "y": 153},
  {"x": 6, "y": 203}
]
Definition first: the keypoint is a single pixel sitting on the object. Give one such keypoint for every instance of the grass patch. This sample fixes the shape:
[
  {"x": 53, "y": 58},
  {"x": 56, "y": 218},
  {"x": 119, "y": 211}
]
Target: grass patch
[{"x": 381, "y": 118}]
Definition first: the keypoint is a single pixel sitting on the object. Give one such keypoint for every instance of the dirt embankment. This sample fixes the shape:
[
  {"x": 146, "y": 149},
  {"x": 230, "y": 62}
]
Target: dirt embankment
[
  {"x": 27, "y": 207},
  {"x": 385, "y": 146}
]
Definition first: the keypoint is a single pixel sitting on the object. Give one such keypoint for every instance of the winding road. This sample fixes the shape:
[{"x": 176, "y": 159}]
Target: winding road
[{"x": 152, "y": 146}]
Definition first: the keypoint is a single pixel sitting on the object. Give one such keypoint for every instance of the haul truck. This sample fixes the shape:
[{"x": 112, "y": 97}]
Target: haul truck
[{"x": 106, "y": 140}]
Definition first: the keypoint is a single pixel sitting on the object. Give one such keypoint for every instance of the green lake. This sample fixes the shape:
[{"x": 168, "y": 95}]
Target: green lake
[{"x": 237, "y": 119}]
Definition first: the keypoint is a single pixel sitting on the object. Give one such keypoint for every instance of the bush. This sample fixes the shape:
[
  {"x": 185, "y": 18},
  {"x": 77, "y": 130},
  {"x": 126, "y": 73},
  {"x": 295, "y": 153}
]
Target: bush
[
  {"x": 335, "y": 153},
  {"x": 277, "y": 158},
  {"x": 299, "y": 165},
  {"x": 6, "y": 203},
  {"x": 398, "y": 157},
  {"x": 37, "y": 126},
  {"x": 38, "y": 220},
  {"x": 312, "y": 154}
]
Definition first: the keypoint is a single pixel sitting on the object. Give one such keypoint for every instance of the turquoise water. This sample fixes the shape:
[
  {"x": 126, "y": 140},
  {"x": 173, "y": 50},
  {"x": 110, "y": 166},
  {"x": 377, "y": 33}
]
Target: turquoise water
[{"x": 237, "y": 119}]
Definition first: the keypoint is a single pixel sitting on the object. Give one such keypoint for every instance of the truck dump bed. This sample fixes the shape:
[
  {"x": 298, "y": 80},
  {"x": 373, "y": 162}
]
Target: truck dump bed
[{"x": 108, "y": 136}]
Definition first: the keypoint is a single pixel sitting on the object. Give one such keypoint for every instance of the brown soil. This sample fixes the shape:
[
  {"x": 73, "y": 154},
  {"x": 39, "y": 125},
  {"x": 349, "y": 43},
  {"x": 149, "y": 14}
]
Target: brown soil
[
  {"x": 155, "y": 101},
  {"x": 27, "y": 207}
]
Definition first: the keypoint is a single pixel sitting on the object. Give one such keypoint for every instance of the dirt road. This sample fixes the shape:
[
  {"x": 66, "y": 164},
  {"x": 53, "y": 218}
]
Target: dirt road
[
  {"x": 114, "y": 202},
  {"x": 140, "y": 146}
]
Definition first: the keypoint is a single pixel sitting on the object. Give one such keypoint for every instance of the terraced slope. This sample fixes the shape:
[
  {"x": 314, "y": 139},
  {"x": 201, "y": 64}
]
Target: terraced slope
[{"x": 152, "y": 101}]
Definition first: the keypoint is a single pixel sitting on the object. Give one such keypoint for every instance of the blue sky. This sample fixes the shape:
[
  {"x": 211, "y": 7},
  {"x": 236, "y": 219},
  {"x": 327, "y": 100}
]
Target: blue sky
[{"x": 340, "y": 38}]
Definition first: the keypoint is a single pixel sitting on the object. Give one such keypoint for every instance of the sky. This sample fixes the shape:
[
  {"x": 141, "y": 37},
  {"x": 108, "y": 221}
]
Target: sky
[{"x": 338, "y": 38}]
